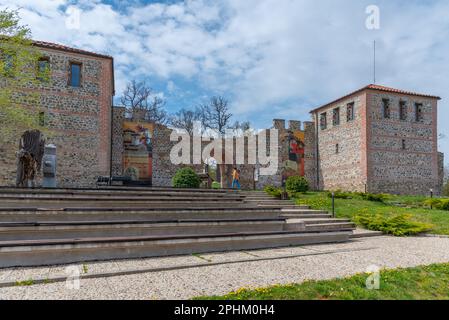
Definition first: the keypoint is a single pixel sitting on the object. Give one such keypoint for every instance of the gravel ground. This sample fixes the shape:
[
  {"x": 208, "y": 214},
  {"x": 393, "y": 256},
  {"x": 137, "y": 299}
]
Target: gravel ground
[{"x": 384, "y": 252}]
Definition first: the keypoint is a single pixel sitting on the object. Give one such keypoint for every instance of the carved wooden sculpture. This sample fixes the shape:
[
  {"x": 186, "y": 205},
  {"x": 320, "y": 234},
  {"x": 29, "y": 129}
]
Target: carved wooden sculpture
[{"x": 31, "y": 151}]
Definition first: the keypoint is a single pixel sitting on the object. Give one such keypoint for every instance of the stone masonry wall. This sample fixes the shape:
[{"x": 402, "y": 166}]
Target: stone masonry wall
[
  {"x": 343, "y": 169},
  {"x": 310, "y": 164},
  {"x": 402, "y": 154},
  {"x": 164, "y": 169},
  {"x": 440, "y": 172},
  {"x": 117, "y": 140},
  {"x": 78, "y": 118}
]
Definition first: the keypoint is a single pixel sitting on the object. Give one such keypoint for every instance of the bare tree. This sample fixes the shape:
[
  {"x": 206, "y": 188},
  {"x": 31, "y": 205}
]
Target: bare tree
[
  {"x": 217, "y": 115},
  {"x": 243, "y": 126},
  {"x": 137, "y": 96},
  {"x": 185, "y": 119}
]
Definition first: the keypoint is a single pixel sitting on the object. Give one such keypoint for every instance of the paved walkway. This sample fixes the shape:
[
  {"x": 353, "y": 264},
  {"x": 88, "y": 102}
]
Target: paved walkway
[{"x": 221, "y": 273}]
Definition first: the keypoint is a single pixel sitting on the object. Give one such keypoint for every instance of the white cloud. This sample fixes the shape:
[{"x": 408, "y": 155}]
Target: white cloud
[{"x": 267, "y": 55}]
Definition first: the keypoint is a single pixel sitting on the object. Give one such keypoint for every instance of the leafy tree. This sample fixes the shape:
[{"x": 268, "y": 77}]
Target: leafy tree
[{"x": 18, "y": 66}]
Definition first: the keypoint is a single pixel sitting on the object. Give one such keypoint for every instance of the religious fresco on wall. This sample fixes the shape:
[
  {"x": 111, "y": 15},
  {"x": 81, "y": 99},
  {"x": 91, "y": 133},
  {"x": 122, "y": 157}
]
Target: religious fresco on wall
[
  {"x": 138, "y": 150},
  {"x": 293, "y": 163}
]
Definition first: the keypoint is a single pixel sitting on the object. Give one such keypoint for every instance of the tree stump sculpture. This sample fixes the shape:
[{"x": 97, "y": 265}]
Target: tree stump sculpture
[{"x": 31, "y": 151}]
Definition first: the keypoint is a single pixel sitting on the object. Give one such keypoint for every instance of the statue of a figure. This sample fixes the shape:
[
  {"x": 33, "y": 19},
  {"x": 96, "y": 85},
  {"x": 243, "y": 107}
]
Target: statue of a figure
[{"x": 31, "y": 151}]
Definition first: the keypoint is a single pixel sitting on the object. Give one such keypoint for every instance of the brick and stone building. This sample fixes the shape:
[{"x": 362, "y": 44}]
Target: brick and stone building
[
  {"x": 376, "y": 139},
  {"x": 75, "y": 102},
  {"x": 380, "y": 140}
]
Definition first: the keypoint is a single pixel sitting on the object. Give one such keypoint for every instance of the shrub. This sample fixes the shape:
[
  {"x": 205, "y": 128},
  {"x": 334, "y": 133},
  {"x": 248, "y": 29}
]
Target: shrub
[
  {"x": 338, "y": 194},
  {"x": 273, "y": 191},
  {"x": 216, "y": 185},
  {"x": 296, "y": 184},
  {"x": 397, "y": 225},
  {"x": 186, "y": 178},
  {"x": 375, "y": 197},
  {"x": 441, "y": 204}
]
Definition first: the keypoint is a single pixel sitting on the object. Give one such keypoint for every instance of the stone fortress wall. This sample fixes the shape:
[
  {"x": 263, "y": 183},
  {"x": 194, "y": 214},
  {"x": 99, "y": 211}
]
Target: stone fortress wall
[{"x": 365, "y": 152}]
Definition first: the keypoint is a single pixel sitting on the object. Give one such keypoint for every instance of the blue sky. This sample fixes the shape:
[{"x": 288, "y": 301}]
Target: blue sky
[{"x": 271, "y": 58}]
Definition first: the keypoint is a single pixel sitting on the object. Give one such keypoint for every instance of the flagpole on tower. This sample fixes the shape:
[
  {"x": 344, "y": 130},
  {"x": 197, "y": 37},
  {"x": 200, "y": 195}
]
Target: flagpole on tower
[{"x": 374, "y": 61}]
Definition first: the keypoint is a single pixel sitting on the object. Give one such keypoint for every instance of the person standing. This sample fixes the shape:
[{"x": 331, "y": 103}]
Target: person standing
[{"x": 235, "y": 178}]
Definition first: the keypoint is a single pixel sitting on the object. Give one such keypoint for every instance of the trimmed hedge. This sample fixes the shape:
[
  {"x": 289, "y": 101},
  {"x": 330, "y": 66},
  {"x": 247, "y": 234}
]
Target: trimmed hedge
[{"x": 186, "y": 178}]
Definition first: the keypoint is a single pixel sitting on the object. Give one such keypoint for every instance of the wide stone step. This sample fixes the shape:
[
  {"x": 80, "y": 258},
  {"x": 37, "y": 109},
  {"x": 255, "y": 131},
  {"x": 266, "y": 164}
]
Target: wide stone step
[
  {"x": 118, "y": 189},
  {"x": 320, "y": 227},
  {"x": 271, "y": 202},
  {"x": 305, "y": 215},
  {"x": 283, "y": 206},
  {"x": 65, "y": 214},
  {"x": 101, "y": 229},
  {"x": 62, "y": 251},
  {"x": 309, "y": 221},
  {"x": 122, "y": 204},
  {"x": 301, "y": 211},
  {"x": 120, "y": 196}
]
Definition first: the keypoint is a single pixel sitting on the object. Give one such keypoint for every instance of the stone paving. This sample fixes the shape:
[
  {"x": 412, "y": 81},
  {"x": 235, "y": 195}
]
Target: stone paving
[{"x": 282, "y": 266}]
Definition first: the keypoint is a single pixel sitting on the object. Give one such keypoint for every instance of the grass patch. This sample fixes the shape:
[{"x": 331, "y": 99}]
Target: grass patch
[
  {"x": 413, "y": 206},
  {"x": 420, "y": 283},
  {"x": 24, "y": 283},
  {"x": 196, "y": 255}
]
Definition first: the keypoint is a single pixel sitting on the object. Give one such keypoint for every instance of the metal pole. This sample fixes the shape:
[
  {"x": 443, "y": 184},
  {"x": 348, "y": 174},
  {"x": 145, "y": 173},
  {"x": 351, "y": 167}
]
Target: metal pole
[
  {"x": 333, "y": 204},
  {"x": 431, "y": 197}
]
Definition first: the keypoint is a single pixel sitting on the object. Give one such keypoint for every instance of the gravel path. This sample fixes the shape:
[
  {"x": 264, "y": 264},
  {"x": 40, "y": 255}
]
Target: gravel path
[{"x": 356, "y": 257}]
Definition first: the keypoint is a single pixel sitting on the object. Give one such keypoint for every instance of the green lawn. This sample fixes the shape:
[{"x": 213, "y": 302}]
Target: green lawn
[
  {"x": 421, "y": 283},
  {"x": 348, "y": 208}
]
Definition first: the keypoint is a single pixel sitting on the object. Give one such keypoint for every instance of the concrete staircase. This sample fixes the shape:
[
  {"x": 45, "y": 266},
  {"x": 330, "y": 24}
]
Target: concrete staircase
[
  {"x": 313, "y": 220},
  {"x": 44, "y": 226}
]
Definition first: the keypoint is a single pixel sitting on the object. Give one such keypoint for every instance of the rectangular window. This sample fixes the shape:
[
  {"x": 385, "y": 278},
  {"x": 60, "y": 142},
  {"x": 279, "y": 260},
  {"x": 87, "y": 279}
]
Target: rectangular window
[
  {"x": 42, "y": 119},
  {"x": 43, "y": 69},
  {"x": 403, "y": 110},
  {"x": 337, "y": 148},
  {"x": 386, "y": 108},
  {"x": 323, "y": 121},
  {"x": 350, "y": 111},
  {"x": 418, "y": 112},
  {"x": 75, "y": 75},
  {"x": 404, "y": 146},
  {"x": 336, "y": 117}
]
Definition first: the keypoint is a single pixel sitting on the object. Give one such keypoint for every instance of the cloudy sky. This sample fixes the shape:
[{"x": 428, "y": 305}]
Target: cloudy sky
[{"x": 271, "y": 58}]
